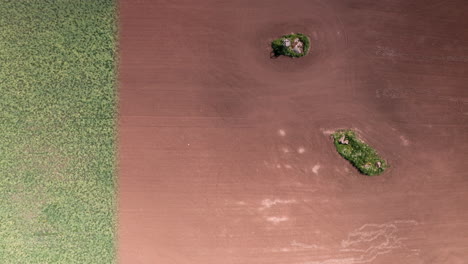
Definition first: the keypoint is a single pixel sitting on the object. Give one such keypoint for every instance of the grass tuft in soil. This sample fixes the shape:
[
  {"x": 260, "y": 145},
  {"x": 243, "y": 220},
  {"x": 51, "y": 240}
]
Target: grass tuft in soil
[{"x": 361, "y": 155}]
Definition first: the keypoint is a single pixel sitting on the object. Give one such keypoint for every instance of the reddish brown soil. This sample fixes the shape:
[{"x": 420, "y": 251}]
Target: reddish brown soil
[{"x": 224, "y": 153}]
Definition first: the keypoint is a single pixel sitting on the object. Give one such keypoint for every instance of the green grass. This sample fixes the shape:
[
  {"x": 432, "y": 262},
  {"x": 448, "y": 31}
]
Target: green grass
[
  {"x": 57, "y": 131},
  {"x": 279, "y": 49},
  {"x": 361, "y": 155}
]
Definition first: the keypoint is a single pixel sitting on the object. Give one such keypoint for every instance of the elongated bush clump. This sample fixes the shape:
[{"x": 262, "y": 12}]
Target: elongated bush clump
[{"x": 361, "y": 155}]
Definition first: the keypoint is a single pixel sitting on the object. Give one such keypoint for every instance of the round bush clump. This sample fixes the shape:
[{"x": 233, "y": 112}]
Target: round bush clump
[{"x": 293, "y": 45}]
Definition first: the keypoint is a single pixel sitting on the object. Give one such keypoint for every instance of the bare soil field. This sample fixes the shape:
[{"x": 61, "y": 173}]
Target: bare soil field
[{"x": 225, "y": 155}]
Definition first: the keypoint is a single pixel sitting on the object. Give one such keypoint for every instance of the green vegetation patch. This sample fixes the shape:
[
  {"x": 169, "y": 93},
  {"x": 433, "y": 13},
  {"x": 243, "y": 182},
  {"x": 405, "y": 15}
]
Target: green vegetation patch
[
  {"x": 57, "y": 131},
  {"x": 361, "y": 155},
  {"x": 292, "y": 45}
]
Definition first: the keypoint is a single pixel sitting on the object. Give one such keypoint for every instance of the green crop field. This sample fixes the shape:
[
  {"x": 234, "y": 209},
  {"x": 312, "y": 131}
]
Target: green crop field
[{"x": 57, "y": 131}]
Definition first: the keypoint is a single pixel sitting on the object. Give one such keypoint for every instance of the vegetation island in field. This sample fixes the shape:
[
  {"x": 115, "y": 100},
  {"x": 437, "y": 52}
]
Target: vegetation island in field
[
  {"x": 361, "y": 155},
  {"x": 292, "y": 45}
]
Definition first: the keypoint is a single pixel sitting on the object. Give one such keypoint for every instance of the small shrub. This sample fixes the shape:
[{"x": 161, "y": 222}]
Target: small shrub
[
  {"x": 279, "y": 49},
  {"x": 361, "y": 155}
]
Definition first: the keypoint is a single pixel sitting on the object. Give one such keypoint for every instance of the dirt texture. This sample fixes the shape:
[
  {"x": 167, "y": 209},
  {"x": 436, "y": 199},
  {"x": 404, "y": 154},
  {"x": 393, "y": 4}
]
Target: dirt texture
[{"x": 225, "y": 154}]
